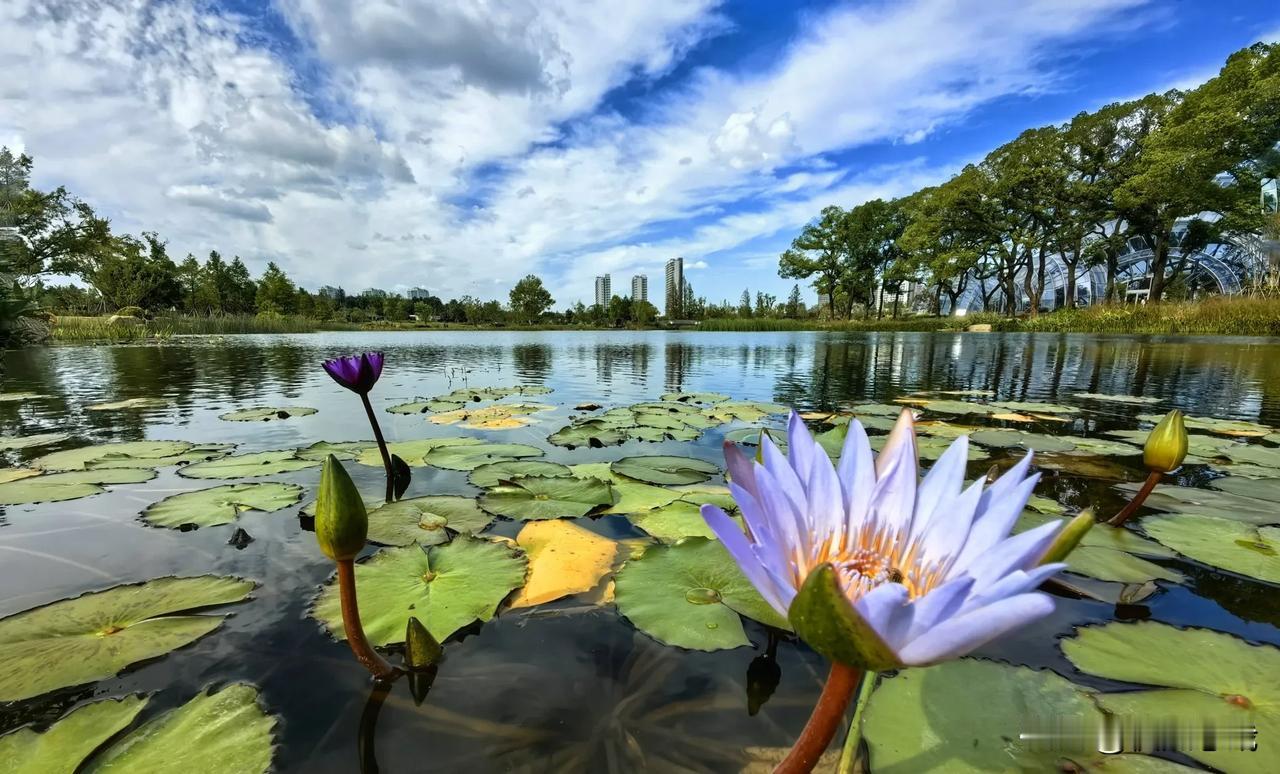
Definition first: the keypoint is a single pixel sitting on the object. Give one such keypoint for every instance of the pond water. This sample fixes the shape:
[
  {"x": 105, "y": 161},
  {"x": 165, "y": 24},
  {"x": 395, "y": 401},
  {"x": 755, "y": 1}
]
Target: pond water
[{"x": 568, "y": 685}]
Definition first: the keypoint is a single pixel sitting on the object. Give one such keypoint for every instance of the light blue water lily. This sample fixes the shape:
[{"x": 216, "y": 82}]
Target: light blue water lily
[{"x": 924, "y": 570}]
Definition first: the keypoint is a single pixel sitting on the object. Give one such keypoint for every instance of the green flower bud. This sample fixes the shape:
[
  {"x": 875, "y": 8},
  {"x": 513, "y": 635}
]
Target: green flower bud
[
  {"x": 421, "y": 649},
  {"x": 342, "y": 524},
  {"x": 1069, "y": 537},
  {"x": 823, "y": 617},
  {"x": 1167, "y": 444}
]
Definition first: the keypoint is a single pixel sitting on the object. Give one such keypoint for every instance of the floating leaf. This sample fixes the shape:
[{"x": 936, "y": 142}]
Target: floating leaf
[
  {"x": 751, "y": 436},
  {"x": 1101, "y": 446},
  {"x": 131, "y": 403},
  {"x": 696, "y": 398},
  {"x": 17, "y": 474},
  {"x": 217, "y": 732},
  {"x": 15, "y": 397},
  {"x": 590, "y": 434},
  {"x": 504, "y": 416},
  {"x": 690, "y": 595},
  {"x": 9, "y": 442},
  {"x": 665, "y": 470},
  {"x": 955, "y": 407},
  {"x": 69, "y": 741},
  {"x": 1258, "y": 489},
  {"x": 412, "y": 452},
  {"x": 1031, "y": 407},
  {"x": 1232, "y": 545},
  {"x": 564, "y": 559},
  {"x": 1199, "y": 447},
  {"x": 472, "y": 456},
  {"x": 930, "y": 448},
  {"x": 221, "y": 504},
  {"x": 343, "y": 450},
  {"x": 1115, "y": 398},
  {"x": 1209, "y": 502},
  {"x": 924, "y": 720},
  {"x": 1111, "y": 553},
  {"x": 490, "y": 475},
  {"x": 445, "y": 587},
  {"x": 700, "y": 494},
  {"x": 678, "y": 519},
  {"x": 266, "y": 414},
  {"x": 423, "y": 520},
  {"x": 265, "y": 463},
  {"x": 1204, "y": 676},
  {"x": 425, "y": 406},
  {"x": 71, "y": 485},
  {"x": 1018, "y": 439},
  {"x": 745, "y": 410},
  {"x": 131, "y": 454},
  {"x": 551, "y": 497},
  {"x": 96, "y": 635},
  {"x": 1230, "y": 427},
  {"x": 1254, "y": 454}
]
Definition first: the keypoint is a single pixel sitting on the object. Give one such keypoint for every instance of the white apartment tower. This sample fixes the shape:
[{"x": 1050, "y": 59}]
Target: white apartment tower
[
  {"x": 675, "y": 289},
  {"x": 639, "y": 288},
  {"x": 604, "y": 290}
]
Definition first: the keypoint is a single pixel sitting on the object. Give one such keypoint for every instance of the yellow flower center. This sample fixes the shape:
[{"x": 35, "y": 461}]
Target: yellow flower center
[{"x": 868, "y": 558}]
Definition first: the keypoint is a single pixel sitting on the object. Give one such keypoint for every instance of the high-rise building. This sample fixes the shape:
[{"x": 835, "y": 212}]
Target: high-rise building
[
  {"x": 639, "y": 288},
  {"x": 604, "y": 290},
  {"x": 329, "y": 291},
  {"x": 675, "y": 289},
  {"x": 418, "y": 294},
  {"x": 373, "y": 293}
]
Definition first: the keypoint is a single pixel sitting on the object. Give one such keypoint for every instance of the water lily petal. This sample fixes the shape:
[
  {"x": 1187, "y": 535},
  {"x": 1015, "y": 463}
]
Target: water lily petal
[
  {"x": 993, "y": 523},
  {"x": 893, "y": 500},
  {"x": 741, "y": 471},
  {"x": 945, "y": 536},
  {"x": 901, "y": 443},
  {"x": 826, "y": 500},
  {"x": 1001, "y": 487},
  {"x": 802, "y": 450},
  {"x": 939, "y": 605},
  {"x": 856, "y": 473},
  {"x": 1018, "y": 552},
  {"x": 1016, "y": 582},
  {"x": 940, "y": 486},
  {"x": 885, "y": 608},
  {"x": 959, "y": 635},
  {"x": 789, "y": 523}
]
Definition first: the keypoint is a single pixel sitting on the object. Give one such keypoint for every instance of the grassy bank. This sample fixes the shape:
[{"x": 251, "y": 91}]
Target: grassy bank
[
  {"x": 73, "y": 328},
  {"x": 1223, "y": 316}
]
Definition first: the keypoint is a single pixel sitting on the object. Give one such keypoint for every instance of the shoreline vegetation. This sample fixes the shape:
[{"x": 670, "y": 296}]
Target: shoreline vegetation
[{"x": 1226, "y": 316}]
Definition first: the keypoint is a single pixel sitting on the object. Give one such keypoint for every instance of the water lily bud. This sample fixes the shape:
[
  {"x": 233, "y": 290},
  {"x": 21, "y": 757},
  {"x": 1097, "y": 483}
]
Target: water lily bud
[
  {"x": 342, "y": 524},
  {"x": 1167, "y": 444},
  {"x": 1069, "y": 537},
  {"x": 421, "y": 649}
]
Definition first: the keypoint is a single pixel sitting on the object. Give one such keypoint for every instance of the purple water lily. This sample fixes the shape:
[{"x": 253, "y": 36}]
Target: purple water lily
[
  {"x": 928, "y": 565},
  {"x": 357, "y": 373}
]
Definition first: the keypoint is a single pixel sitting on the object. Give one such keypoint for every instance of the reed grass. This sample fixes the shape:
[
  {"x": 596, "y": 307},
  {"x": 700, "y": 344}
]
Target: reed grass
[{"x": 79, "y": 328}]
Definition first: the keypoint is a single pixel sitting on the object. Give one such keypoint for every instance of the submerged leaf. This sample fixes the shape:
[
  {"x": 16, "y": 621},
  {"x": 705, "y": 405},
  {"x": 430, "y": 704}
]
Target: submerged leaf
[
  {"x": 94, "y": 636},
  {"x": 221, "y": 504},
  {"x": 446, "y": 587},
  {"x": 690, "y": 595},
  {"x": 564, "y": 559}
]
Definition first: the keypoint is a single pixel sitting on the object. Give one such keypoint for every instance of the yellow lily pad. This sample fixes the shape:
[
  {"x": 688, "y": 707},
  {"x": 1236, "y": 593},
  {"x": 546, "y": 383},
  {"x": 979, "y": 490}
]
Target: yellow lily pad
[{"x": 564, "y": 559}]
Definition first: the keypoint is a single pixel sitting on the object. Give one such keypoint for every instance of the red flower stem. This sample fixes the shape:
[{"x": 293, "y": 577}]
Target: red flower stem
[
  {"x": 1153, "y": 478},
  {"x": 360, "y": 646},
  {"x": 382, "y": 444},
  {"x": 828, "y": 715}
]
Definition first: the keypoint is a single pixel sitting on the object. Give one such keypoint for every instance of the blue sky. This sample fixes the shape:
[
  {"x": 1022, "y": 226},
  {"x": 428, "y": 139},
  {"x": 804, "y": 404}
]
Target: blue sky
[{"x": 393, "y": 143}]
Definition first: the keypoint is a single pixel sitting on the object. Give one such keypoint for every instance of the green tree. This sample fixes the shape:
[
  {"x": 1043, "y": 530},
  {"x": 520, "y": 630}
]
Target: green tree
[
  {"x": 529, "y": 299},
  {"x": 134, "y": 272},
  {"x": 794, "y": 304},
  {"x": 819, "y": 253},
  {"x": 744, "y": 304},
  {"x": 276, "y": 292},
  {"x": 239, "y": 291}
]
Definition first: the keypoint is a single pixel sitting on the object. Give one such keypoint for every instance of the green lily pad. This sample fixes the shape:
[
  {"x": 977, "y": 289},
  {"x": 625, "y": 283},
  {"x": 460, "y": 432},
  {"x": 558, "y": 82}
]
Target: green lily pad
[
  {"x": 492, "y": 474},
  {"x": 551, "y": 497},
  {"x": 471, "y": 456},
  {"x": 1202, "y": 676},
  {"x": 1032, "y": 407},
  {"x": 425, "y": 406},
  {"x": 750, "y": 436},
  {"x": 445, "y": 587},
  {"x": 68, "y": 742},
  {"x": 466, "y": 395},
  {"x": 591, "y": 434},
  {"x": 131, "y": 454},
  {"x": 1134, "y": 399},
  {"x": 924, "y": 720},
  {"x": 16, "y": 397},
  {"x": 10, "y": 442},
  {"x": 954, "y": 407},
  {"x": 96, "y": 635},
  {"x": 630, "y": 496},
  {"x": 891, "y": 410},
  {"x": 696, "y": 398},
  {"x": 221, "y": 504},
  {"x": 931, "y": 448},
  {"x": 423, "y": 520},
  {"x": 71, "y": 485},
  {"x": 1257, "y": 489},
  {"x": 1199, "y": 447},
  {"x": 1235, "y": 546},
  {"x": 702, "y": 494},
  {"x": 1219, "y": 426},
  {"x": 343, "y": 450},
  {"x": 690, "y": 595},
  {"x": 17, "y": 474},
  {"x": 868, "y": 421},
  {"x": 1254, "y": 454},
  {"x": 1006, "y": 439},
  {"x": 266, "y": 463},
  {"x": 744, "y": 410},
  {"x": 266, "y": 414},
  {"x": 218, "y": 732},
  {"x": 1100, "y": 446},
  {"x": 503, "y": 416},
  {"x": 665, "y": 470},
  {"x": 1209, "y": 502},
  {"x": 412, "y": 452},
  {"x": 1111, "y": 553},
  {"x": 131, "y": 403},
  {"x": 1247, "y": 471},
  {"x": 678, "y": 519}
]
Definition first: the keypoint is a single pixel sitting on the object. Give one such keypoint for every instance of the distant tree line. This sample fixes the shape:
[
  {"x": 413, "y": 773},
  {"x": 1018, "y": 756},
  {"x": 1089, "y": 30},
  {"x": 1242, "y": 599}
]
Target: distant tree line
[{"x": 1079, "y": 190}]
